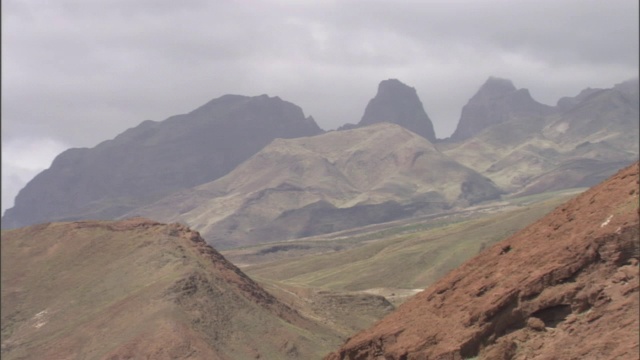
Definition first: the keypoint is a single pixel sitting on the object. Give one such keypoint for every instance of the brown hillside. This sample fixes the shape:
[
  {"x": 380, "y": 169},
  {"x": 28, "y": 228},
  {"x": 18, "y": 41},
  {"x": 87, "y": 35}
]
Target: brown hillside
[
  {"x": 565, "y": 287},
  {"x": 139, "y": 289}
]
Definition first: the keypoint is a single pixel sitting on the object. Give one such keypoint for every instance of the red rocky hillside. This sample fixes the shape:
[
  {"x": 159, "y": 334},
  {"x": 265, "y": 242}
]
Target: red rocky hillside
[{"x": 565, "y": 287}]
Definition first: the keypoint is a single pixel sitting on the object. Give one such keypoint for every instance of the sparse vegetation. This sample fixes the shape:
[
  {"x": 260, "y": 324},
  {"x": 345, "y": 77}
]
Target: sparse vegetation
[{"x": 407, "y": 255}]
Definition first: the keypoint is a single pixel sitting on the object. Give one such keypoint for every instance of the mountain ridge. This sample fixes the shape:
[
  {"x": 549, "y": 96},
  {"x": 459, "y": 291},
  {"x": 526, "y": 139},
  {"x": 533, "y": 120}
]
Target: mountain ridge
[
  {"x": 518, "y": 144},
  {"x": 154, "y": 159},
  {"x": 138, "y": 288},
  {"x": 312, "y": 185},
  {"x": 495, "y": 102},
  {"x": 550, "y": 290}
]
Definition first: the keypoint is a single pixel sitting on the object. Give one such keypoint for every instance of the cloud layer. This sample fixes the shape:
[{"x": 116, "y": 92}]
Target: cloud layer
[{"x": 80, "y": 72}]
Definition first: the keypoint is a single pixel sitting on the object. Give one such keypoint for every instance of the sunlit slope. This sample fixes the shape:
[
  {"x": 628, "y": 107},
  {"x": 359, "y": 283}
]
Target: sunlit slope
[
  {"x": 406, "y": 256},
  {"x": 339, "y": 180}
]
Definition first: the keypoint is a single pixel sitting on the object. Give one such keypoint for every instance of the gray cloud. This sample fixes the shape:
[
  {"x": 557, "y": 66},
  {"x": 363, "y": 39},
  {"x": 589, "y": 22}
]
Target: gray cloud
[{"x": 80, "y": 72}]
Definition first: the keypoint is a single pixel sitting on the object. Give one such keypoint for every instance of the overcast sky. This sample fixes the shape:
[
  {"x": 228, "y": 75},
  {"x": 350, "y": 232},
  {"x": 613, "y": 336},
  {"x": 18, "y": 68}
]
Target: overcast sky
[{"x": 75, "y": 73}]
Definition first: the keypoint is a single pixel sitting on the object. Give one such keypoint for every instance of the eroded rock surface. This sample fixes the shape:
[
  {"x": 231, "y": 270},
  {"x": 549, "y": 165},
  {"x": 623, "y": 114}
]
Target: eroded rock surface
[{"x": 565, "y": 287}]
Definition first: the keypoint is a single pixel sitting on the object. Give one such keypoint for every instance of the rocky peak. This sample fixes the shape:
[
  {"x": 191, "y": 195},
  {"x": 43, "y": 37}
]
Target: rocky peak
[
  {"x": 154, "y": 159},
  {"x": 494, "y": 87},
  {"x": 398, "y": 103},
  {"x": 496, "y": 101}
]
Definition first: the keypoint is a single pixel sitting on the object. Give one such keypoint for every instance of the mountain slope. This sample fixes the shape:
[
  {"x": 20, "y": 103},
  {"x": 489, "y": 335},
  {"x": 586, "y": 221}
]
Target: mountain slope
[
  {"x": 580, "y": 142},
  {"x": 154, "y": 159},
  {"x": 565, "y": 287},
  {"x": 339, "y": 180},
  {"x": 497, "y": 101},
  {"x": 139, "y": 289},
  {"x": 400, "y": 256}
]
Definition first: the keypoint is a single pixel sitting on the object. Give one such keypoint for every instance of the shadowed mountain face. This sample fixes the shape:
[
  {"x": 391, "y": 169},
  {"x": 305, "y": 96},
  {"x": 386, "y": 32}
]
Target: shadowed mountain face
[
  {"x": 504, "y": 135},
  {"x": 399, "y": 104},
  {"x": 496, "y": 102},
  {"x": 566, "y": 287},
  {"x": 314, "y": 185},
  {"x": 139, "y": 289},
  {"x": 154, "y": 159}
]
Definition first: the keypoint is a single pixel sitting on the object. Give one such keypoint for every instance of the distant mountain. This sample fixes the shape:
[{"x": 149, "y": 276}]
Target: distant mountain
[
  {"x": 565, "y": 287},
  {"x": 138, "y": 289},
  {"x": 399, "y": 104},
  {"x": 147, "y": 162},
  {"x": 504, "y": 135},
  {"x": 496, "y": 102},
  {"x": 578, "y": 143},
  {"x": 313, "y": 185}
]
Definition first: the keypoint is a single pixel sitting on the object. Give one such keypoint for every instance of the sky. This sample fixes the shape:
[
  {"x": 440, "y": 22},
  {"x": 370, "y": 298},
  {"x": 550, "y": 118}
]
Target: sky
[{"x": 76, "y": 73}]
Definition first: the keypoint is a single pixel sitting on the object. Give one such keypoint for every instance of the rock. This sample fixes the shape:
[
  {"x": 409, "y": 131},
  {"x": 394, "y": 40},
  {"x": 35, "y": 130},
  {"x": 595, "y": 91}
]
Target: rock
[
  {"x": 536, "y": 324},
  {"x": 496, "y": 101},
  {"x": 398, "y": 103},
  {"x": 555, "y": 278}
]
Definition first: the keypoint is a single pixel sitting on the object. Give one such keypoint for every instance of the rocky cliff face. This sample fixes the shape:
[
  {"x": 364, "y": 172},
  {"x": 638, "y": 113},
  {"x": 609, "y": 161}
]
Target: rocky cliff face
[
  {"x": 156, "y": 158},
  {"x": 496, "y": 102},
  {"x": 566, "y": 287},
  {"x": 399, "y": 104}
]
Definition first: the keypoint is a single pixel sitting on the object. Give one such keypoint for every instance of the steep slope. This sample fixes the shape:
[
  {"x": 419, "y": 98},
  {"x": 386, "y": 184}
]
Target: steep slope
[
  {"x": 580, "y": 143},
  {"x": 139, "y": 289},
  {"x": 566, "y": 287},
  {"x": 156, "y": 158},
  {"x": 314, "y": 185},
  {"x": 497, "y": 101},
  {"x": 399, "y": 104}
]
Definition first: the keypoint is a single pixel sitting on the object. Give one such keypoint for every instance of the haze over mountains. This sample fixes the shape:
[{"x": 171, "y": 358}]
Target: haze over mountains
[
  {"x": 153, "y": 159},
  {"x": 339, "y": 180},
  {"x": 254, "y": 170},
  {"x": 579, "y": 143},
  {"x": 397, "y": 103},
  {"x": 213, "y": 165}
]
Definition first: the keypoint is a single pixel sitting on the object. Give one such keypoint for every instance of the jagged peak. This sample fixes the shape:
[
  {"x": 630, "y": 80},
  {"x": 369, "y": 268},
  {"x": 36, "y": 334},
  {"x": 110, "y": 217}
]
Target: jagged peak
[
  {"x": 495, "y": 87},
  {"x": 398, "y": 103},
  {"x": 394, "y": 85}
]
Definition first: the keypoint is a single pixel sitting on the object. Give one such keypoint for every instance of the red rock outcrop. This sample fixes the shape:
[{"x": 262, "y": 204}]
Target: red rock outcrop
[{"x": 565, "y": 287}]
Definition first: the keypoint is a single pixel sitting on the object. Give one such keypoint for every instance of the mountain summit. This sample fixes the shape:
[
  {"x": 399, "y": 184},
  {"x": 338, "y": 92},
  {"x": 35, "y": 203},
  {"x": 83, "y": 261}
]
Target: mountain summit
[
  {"x": 138, "y": 289},
  {"x": 497, "y": 101},
  {"x": 398, "y": 103},
  {"x": 154, "y": 159}
]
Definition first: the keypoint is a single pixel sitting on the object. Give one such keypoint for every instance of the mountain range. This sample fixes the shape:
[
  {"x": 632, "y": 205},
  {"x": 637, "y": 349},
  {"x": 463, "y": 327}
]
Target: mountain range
[
  {"x": 565, "y": 287},
  {"x": 578, "y": 143},
  {"x": 245, "y": 170},
  {"x": 154, "y": 159},
  {"x": 339, "y": 180}
]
